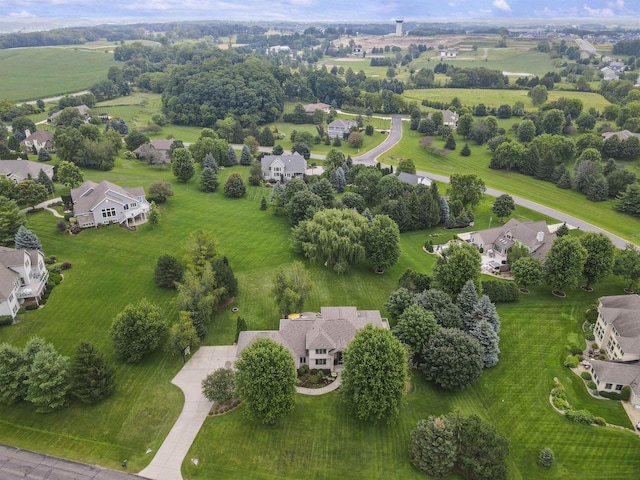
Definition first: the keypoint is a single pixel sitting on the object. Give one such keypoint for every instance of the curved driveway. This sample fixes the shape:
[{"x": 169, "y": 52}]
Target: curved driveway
[{"x": 395, "y": 135}]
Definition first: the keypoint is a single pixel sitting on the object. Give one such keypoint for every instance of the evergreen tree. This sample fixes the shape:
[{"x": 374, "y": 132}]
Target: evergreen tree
[
  {"x": 13, "y": 374},
  {"x": 233, "y": 158},
  {"x": 210, "y": 162},
  {"x": 245, "y": 156},
  {"x": 565, "y": 181},
  {"x": 597, "y": 190},
  {"x": 182, "y": 164},
  {"x": 489, "y": 341},
  {"x": 562, "y": 230},
  {"x": 154, "y": 215},
  {"x": 337, "y": 179},
  {"x": 168, "y": 272},
  {"x": 446, "y": 312},
  {"x": 27, "y": 240},
  {"x": 466, "y": 151},
  {"x": 225, "y": 279},
  {"x": 208, "y": 180},
  {"x": 92, "y": 378},
  {"x": 325, "y": 191},
  {"x": 43, "y": 155},
  {"x": 44, "y": 179},
  {"x": 486, "y": 310},
  {"x": 48, "y": 384},
  {"x": 255, "y": 174},
  {"x": 234, "y": 186},
  {"x": 450, "y": 144},
  {"x": 467, "y": 300},
  {"x": 263, "y": 203},
  {"x": 433, "y": 447},
  {"x": 266, "y": 137}
]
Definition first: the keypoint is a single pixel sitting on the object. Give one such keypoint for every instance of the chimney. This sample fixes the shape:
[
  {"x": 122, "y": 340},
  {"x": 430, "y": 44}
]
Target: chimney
[
  {"x": 540, "y": 237},
  {"x": 27, "y": 132}
]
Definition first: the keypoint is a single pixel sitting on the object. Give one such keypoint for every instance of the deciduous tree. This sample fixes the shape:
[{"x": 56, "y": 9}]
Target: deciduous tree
[
  {"x": 527, "y": 271},
  {"x": 627, "y": 265},
  {"x": 457, "y": 264},
  {"x": 503, "y": 206},
  {"x": 182, "y": 165},
  {"x": 382, "y": 242},
  {"x": 137, "y": 331},
  {"x": 375, "y": 374},
  {"x": 182, "y": 335},
  {"x": 265, "y": 380},
  {"x": 600, "y": 255},
  {"x": 219, "y": 385},
  {"x": 564, "y": 263},
  {"x": 291, "y": 288},
  {"x": 48, "y": 383},
  {"x": 415, "y": 327},
  {"x": 31, "y": 193}
]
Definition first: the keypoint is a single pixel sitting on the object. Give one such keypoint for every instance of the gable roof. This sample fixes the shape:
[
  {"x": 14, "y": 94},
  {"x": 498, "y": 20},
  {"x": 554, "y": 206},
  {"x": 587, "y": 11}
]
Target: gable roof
[
  {"x": 342, "y": 124},
  {"x": 292, "y": 162},
  {"x": 449, "y": 117},
  {"x": 88, "y": 195},
  {"x": 413, "y": 179},
  {"x": 41, "y": 136},
  {"x": 623, "y": 312},
  {"x": 621, "y": 134},
  {"x": 312, "y": 107},
  {"x": 162, "y": 144},
  {"x": 83, "y": 109},
  {"x": 20, "y": 169},
  {"x": 523, "y": 232},
  {"x": 618, "y": 373},
  {"x": 11, "y": 258}
]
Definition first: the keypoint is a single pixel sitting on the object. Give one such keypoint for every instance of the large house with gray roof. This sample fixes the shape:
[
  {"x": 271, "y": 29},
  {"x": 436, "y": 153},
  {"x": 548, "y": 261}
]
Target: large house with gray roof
[
  {"x": 39, "y": 139},
  {"x": 497, "y": 241},
  {"x": 23, "y": 277},
  {"x": 19, "y": 170},
  {"x": 103, "y": 203},
  {"x": 413, "y": 179},
  {"x": 340, "y": 128},
  {"x": 318, "y": 339},
  {"x": 283, "y": 167},
  {"x": 617, "y": 332}
]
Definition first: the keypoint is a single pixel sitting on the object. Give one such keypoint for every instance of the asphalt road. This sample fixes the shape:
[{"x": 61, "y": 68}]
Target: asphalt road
[
  {"x": 17, "y": 464},
  {"x": 395, "y": 134}
]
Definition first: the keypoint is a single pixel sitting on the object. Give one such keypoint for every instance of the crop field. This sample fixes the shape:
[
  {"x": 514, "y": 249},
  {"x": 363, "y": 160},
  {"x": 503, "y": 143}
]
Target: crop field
[
  {"x": 32, "y": 73},
  {"x": 495, "y": 98}
]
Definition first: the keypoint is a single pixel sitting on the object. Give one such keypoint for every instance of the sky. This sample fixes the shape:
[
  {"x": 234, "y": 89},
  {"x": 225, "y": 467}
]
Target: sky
[{"x": 21, "y": 11}]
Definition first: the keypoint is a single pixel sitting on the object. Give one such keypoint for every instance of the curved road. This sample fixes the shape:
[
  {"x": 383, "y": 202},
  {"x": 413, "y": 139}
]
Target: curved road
[{"x": 394, "y": 137}]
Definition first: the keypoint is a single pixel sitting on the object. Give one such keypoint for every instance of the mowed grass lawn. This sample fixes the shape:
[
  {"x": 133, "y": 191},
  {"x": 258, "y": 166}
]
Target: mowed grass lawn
[
  {"x": 601, "y": 214},
  {"x": 39, "y": 72},
  {"x": 320, "y": 440}
]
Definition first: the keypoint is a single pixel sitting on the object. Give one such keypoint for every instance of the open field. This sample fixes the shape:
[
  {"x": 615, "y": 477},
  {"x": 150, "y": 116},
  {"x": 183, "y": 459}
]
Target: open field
[
  {"x": 31, "y": 73},
  {"x": 601, "y": 214},
  {"x": 495, "y": 98}
]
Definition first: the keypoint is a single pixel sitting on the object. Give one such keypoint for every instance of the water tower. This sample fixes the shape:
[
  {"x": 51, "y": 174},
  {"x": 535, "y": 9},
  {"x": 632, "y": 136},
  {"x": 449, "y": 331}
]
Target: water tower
[{"x": 399, "y": 22}]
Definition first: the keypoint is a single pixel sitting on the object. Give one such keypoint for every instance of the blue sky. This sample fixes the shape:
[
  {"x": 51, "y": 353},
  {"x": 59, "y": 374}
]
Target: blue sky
[{"x": 318, "y": 10}]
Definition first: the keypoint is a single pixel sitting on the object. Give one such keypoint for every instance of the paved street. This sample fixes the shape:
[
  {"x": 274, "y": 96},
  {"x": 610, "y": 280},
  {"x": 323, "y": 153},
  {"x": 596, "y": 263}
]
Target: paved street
[
  {"x": 17, "y": 464},
  {"x": 395, "y": 134}
]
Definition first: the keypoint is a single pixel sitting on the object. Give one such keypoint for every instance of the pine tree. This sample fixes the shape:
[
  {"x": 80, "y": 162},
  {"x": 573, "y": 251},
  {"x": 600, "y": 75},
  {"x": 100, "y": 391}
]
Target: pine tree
[
  {"x": 92, "y": 378},
  {"x": 450, "y": 144},
  {"x": 224, "y": 278},
  {"x": 489, "y": 341},
  {"x": 48, "y": 383},
  {"x": 26, "y": 240},
  {"x": 245, "y": 156},
  {"x": 486, "y": 310},
  {"x": 466, "y": 151},
  {"x": 43, "y": 155},
  {"x": 562, "y": 230},
  {"x": 233, "y": 158},
  {"x": 44, "y": 179},
  {"x": 598, "y": 190},
  {"x": 210, "y": 162},
  {"x": 325, "y": 191},
  {"x": 565, "y": 181},
  {"x": 338, "y": 180},
  {"x": 263, "y": 203},
  {"x": 467, "y": 300},
  {"x": 266, "y": 137},
  {"x": 208, "y": 180}
]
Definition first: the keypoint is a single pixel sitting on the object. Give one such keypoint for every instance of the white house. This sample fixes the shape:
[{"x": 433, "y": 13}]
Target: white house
[
  {"x": 617, "y": 67},
  {"x": 450, "y": 119},
  {"x": 283, "y": 167},
  {"x": 104, "y": 203},
  {"x": 23, "y": 276},
  {"x": 617, "y": 329},
  {"x": 19, "y": 170},
  {"x": 318, "y": 339},
  {"x": 613, "y": 376},
  {"x": 609, "y": 74},
  {"x": 448, "y": 54},
  {"x": 39, "y": 139},
  {"x": 340, "y": 128},
  {"x": 414, "y": 180}
]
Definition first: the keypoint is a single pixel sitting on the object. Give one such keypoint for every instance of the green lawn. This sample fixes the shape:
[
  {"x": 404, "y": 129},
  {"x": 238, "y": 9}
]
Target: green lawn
[
  {"x": 495, "y": 98},
  {"x": 601, "y": 214},
  {"x": 31, "y": 73}
]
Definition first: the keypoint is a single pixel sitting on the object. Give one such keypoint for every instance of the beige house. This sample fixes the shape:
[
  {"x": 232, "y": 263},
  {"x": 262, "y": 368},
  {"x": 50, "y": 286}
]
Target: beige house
[
  {"x": 613, "y": 376},
  {"x": 617, "y": 329},
  {"x": 104, "y": 203},
  {"x": 318, "y": 339},
  {"x": 497, "y": 241},
  {"x": 312, "y": 107},
  {"x": 23, "y": 276}
]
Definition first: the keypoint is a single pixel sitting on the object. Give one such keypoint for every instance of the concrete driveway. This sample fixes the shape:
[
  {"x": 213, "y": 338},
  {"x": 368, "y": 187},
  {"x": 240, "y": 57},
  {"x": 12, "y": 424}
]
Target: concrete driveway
[{"x": 168, "y": 460}]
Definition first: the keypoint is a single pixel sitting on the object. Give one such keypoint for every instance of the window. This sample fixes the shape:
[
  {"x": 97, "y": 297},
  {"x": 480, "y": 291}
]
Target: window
[
  {"x": 134, "y": 204},
  {"x": 303, "y": 359},
  {"x": 11, "y": 297},
  {"x": 126, "y": 206},
  {"x": 108, "y": 212},
  {"x": 618, "y": 387},
  {"x": 321, "y": 361},
  {"x": 608, "y": 386},
  {"x": 321, "y": 351}
]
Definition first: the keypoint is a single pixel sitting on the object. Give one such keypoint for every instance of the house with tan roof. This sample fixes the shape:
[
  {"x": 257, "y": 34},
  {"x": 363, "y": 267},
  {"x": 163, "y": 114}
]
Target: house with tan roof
[
  {"x": 103, "y": 203},
  {"x": 82, "y": 109},
  {"x": 39, "y": 139},
  {"x": 617, "y": 332},
  {"x": 23, "y": 277},
  {"x": 497, "y": 241},
  {"x": 312, "y": 107},
  {"x": 160, "y": 145},
  {"x": 19, "y": 170},
  {"x": 340, "y": 128},
  {"x": 317, "y": 339}
]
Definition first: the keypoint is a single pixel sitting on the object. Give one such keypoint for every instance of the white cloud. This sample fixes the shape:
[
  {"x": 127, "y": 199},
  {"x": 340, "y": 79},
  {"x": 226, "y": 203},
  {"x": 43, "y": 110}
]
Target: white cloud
[
  {"x": 502, "y": 5},
  {"x": 22, "y": 14},
  {"x": 616, "y": 4},
  {"x": 598, "y": 12}
]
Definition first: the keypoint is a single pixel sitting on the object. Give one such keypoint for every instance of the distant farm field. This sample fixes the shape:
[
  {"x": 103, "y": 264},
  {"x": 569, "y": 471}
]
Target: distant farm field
[
  {"x": 31, "y": 73},
  {"x": 495, "y": 98}
]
